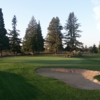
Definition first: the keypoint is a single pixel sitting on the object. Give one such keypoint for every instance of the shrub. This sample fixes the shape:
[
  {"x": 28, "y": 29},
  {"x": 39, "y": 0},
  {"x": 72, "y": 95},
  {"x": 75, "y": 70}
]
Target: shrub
[
  {"x": 77, "y": 54},
  {"x": 74, "y": 54}
]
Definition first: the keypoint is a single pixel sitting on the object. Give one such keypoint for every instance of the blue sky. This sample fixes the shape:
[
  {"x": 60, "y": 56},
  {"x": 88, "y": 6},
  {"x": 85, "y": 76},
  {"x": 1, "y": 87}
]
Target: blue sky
[{"x": 86, "y": 11}]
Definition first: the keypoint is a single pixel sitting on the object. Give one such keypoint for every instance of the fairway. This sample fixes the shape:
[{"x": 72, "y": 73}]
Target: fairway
[{"x": 18, "y": 80}]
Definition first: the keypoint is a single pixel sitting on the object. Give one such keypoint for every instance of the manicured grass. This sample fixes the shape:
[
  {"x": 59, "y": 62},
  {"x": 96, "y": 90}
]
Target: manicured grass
[
  {"x": 97, "y": 77},
  {"x": 18, "y": 80}
]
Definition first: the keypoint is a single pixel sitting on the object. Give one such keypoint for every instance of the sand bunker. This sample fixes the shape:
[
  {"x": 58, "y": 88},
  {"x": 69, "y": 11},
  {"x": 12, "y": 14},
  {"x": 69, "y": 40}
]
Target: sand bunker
[{"x": 78, "y": 78}]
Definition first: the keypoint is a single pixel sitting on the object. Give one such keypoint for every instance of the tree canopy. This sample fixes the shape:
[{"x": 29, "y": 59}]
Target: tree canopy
[
  {"x": 4, "y": 40},
  {"x": 15, "y": 41},
  {"x": 94, "y": 49},
  {"x": 33, "y": 40},
  {"x": 40, "y": 40},
  {"x": 53, "y": 41},
  {"x": 72, "y": 32}
]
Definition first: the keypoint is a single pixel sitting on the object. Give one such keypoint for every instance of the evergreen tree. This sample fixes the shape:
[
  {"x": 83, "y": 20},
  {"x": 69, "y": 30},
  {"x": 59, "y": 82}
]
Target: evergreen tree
[
  {"x": 68, "y": 48},
  {"x": 85, "y": 49},
  {"x": 94, "y": 49},
  {"x": 40, "y": 40},
  {"x": 99, "y": 48},
  {"x": 29, "y": 43},
  {"x": 90, "y": 49},
  {"x": 72, "y": 32},
  {"x": 15, "y": 41},
  {"x": 33, "y": 40},
  {"x": 4, "y": 40},
  {"x": 53, "y": 41}
]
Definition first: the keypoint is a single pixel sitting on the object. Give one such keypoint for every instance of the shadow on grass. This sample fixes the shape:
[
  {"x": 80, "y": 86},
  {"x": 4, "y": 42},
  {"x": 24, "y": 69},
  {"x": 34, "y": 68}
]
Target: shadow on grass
[{"x": 15, "y": 87}]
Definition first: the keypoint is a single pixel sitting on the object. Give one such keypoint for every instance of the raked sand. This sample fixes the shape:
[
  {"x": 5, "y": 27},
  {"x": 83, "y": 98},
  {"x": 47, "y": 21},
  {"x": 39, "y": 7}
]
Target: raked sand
[{"x": 78, "y": 78}]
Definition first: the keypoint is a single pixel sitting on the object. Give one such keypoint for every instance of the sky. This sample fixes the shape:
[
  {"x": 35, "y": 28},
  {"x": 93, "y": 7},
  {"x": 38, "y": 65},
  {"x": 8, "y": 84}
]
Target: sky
[{"x": 86, "y": 11}]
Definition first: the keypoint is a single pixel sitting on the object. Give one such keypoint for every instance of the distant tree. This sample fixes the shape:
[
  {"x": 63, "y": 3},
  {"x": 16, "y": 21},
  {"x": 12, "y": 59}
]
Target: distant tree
[
  {"x": 90, "y": 49},
  {"x": 85, "y": 48},
  {"x": 94, "y": 49},
  {"x": 72, "y": 33},
  {"x": 99, "y": 48},
  {"x": 4, "y": 40},
  {"x": 53, "y": 41},
  {"x": 33, "y": 40},
  {"x": 15, "y": 41}
]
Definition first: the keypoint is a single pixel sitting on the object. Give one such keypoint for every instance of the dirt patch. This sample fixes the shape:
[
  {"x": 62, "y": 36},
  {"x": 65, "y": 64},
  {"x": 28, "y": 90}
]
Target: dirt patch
[{"x": 78, "y": 78}]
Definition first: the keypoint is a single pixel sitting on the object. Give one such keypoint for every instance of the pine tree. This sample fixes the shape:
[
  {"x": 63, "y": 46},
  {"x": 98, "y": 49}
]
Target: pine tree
[
  {"x": 4, "y": 40},
  {"x": 90, "y": 49},
  {"x": 30, "y": 38},
  {"x": 86, "y": 49},
  {"x": 53, "y": 41},
  {"x": 99, "y": 48},
  {"x": 68, "y": 48},
  {"x": 94, "y": 49},
  {"x": 33, "y": 40},
  {"x": 15, "y": 41},
  {"x": 72, "y": 32},
  {"x": 40, "y": 40}
]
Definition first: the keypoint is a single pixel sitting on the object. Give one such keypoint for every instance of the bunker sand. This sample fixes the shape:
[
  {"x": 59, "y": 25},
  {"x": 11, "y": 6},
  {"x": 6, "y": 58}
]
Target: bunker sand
[{"x": 78, "y": 78}]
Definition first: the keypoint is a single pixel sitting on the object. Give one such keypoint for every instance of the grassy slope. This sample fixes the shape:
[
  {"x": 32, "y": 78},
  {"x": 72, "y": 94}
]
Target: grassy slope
[{"x": 18, "y": 81}]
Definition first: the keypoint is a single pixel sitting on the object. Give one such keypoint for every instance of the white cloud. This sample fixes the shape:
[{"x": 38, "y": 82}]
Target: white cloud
[
  {"x": 97, "y": 12},
  {"x": 98, "y": 26},
  {"x": 95, "y": 2}
]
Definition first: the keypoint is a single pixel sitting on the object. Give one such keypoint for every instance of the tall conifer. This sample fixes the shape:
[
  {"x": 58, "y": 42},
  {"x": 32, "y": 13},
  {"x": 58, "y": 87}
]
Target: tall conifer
[
  {"x": 33, "y": 40},
  {"x": 40, "y": 40},
  {"x": 30, "y": 38},
  {"x": 15, "y": 41},
  {"x": 72, "y": 32},
  {"x": 53, "y": 41},
  {"x": 4, "y": 40}
]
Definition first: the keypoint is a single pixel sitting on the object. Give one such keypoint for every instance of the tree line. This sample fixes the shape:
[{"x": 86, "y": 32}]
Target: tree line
[{"x": 33, "y": 40}]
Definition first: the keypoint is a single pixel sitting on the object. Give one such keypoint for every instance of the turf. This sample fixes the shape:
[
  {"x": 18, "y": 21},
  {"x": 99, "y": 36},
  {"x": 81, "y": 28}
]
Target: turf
[
  {"x": 18, "y": 80},
  {"x": 97, "y": 77}
]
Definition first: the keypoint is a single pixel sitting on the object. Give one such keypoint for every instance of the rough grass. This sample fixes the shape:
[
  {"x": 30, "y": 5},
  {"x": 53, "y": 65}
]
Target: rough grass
[
  {"x": 97, "y": 77},
  {"x": 18, "y": 80}
]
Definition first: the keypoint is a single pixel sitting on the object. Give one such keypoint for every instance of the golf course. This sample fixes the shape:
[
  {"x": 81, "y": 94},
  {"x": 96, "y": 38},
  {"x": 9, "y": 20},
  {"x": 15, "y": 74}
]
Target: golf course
[{"x": 20, "y": 81}]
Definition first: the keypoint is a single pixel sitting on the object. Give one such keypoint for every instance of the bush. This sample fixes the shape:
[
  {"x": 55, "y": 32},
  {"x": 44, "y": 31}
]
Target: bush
[
  {"x": 77, "y": 54},
  {"x": 69, "y": 54},
  {"x": 74, "y": 54}
]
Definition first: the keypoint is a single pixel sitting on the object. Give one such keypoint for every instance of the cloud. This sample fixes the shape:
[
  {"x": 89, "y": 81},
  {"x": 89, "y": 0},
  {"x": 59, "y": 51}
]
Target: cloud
[
  {"x": 95, "y": 2},
  {"x": 96, "y": 9},
  {"x": 97, "y": 12}
]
